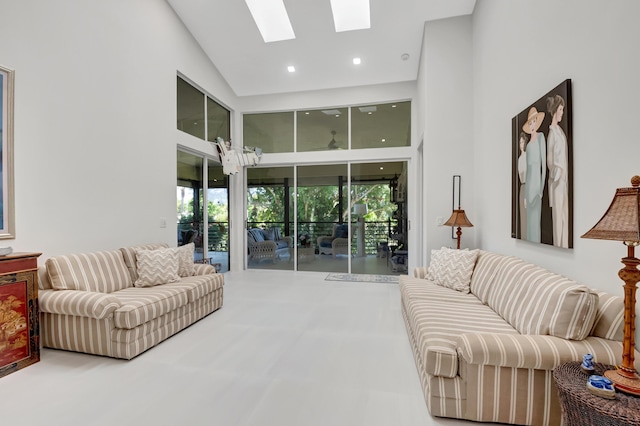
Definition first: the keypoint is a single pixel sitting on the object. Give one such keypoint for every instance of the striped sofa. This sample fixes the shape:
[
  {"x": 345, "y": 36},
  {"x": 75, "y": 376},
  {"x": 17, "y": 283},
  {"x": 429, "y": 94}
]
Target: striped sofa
[
  {"x": 88, "y": 303},
  {"x": 488, "y": 355}
]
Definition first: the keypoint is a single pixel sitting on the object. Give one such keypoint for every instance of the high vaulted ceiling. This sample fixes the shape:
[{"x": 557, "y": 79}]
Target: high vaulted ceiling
[{"x": 322, "y": 57}]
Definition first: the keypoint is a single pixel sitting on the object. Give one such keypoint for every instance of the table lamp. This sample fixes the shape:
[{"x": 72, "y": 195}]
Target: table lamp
[
  {"x": 458, "y": 218},
  {"x": 621, "y": 222}
]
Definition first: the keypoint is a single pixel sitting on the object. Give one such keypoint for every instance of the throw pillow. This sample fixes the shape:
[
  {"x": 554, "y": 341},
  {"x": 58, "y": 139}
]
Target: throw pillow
[
  {"x": 186, "y": 266},
  {"x": 452, "y": 268},
  {"x": 269, "y": 234},
  {"x": 156, "y": 267}
]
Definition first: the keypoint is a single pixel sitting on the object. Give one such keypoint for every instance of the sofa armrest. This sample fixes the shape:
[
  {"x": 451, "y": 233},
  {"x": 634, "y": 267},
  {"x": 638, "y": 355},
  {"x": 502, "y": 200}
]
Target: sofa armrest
[
  {"x": 533, "y": 351},
  {"x": 420, "y": 272},
  {"x": 203, "y": 269},
  {"x": 87, "y": 304}
]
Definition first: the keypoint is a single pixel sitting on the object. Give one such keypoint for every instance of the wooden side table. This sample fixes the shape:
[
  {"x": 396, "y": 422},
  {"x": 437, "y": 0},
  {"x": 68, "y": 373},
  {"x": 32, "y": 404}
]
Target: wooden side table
[
  {"x": 582, "y": 408},
  {"x": 19, "y": 322}
]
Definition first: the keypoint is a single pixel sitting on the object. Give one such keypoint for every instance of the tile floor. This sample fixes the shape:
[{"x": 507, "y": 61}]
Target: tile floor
[{"x": 286, "y": 349}]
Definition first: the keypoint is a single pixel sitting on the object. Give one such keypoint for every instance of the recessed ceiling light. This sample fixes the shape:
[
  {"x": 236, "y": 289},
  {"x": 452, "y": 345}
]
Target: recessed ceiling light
[
  {"x": 272, "y": 19},
  {"x": 370, "y": 113},
  {"x": 351, "y": 15},
  {"x": 356, "y": 61},
  {"x": 405, "y": 56},
  {"x": 381, "y": 168},
  {"x": 384, "y": 140},
  {"x": 307, "y": 113},
  {"x": 394, "y": 105},
  {"x": 291, "y": 68}
]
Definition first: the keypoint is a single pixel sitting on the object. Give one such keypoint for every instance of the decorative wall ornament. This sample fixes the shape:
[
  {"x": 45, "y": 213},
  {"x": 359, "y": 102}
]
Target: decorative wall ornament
[
  {"x": 233, "y": 160},
  {"x": 542, "y": 170},
  {"x": 7, "y": 208}
]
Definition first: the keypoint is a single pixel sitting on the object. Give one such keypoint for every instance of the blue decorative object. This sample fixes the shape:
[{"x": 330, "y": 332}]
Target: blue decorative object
[
  {"x": 587, "y": 363},
  {"x": 601, "y": 386}
]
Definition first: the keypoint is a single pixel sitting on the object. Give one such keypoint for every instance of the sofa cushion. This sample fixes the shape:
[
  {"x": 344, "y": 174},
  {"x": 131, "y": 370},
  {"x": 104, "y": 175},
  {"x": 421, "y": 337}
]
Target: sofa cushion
[
  {"x": 420, "y": 288},
  {"x": 156, "y": 267},
  {"x": 140, "y": 305},
  {"x": 198, "y": 286},
  {"x": 342, "y": 231},
  {"x": 129, "y": 254},
  {"x": 255, "y": 235},
  {"x": 103, "y": 272},
  {"x": 452, "y": 268},
  {"x": 556, "y": 306},
  {"x": 185, "y": 260},
  {"x": 609, "y": 322},
  {"x": 269, "y": 234},
  {"x": 438, "y": 325},
  {"x": 487, "y": 266}
]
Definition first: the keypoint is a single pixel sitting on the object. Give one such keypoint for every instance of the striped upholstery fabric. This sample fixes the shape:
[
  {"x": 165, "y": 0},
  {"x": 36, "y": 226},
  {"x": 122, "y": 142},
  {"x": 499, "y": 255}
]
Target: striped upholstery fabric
[
  {"x": 439, "y": 323},
  {"x": 129, "y": 255},
  {"x": 419, "y": 288},
  {"x": 487, "y": 266},
  {"x": 129, "y": 343},
  {"x": 490, "y": 356},
  {"x": 511, "y": 395},
  {"x": 534, "y": 352},
  {"x": 86, "y": 307},
  {"x": 609, "y": 322},
  {"x": 104, "y": 272},
  {"x": 43, "y": 278},
  {"x": 101, "y": 337},
  {"x": 507, "y": 292},
  {"x": 196, "y": 287},
  {"x": 556, "y": 305},
  {"x": 140, "y": 305},
  {"x": 87, "y": 304}
]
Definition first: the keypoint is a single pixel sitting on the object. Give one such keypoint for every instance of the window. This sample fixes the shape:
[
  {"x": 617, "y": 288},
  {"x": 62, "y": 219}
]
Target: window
[
  {"x": 372, "y": 126},
  {"x": 192, "y": 108}
]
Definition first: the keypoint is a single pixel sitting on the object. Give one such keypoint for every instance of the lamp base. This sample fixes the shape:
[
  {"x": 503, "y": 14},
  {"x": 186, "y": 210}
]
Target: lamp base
[{"x": 623, "y": 382}]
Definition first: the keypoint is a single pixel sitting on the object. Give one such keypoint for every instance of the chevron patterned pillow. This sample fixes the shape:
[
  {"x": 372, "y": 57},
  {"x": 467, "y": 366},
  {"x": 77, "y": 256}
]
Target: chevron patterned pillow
[
  {"x": 185, "y": 260},
  {"x": 452, "y": 268},
  {"x": 156, "y": 267}
]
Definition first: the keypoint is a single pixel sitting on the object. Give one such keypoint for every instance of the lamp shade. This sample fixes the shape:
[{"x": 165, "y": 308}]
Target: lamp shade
[
  {"x": 621, "y": 222},
  {"x": 458, "y": 218},
  {"x": 360, "y": 209}
]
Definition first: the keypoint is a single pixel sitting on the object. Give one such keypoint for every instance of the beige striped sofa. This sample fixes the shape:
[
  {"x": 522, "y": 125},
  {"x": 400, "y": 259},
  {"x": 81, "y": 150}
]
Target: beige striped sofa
[
  {"x": 88, "y": 303},
  {"x": 488, "y": 355}
]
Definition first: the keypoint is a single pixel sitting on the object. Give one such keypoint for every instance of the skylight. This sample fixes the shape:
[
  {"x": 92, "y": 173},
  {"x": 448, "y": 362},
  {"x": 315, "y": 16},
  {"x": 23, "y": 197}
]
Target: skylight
[
  {"x": 272, "y": 19},
  {"x": 351, "y": 15}
]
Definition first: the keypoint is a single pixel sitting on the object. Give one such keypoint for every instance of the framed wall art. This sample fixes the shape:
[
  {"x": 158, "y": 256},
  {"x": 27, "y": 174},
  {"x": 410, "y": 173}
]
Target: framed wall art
[
  {"x": 6, "y": 154},
  {"x": 542, "y": 170}
]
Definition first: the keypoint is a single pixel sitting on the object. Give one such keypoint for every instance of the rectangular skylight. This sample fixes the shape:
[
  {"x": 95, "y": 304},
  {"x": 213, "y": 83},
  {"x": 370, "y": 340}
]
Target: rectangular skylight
[
  {"x": 351, "y": 15},
  {"x": 272, "y": 19}
]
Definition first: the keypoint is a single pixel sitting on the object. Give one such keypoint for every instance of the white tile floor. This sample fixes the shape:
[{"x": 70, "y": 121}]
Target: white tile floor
[{"x": 286, "y": 349}]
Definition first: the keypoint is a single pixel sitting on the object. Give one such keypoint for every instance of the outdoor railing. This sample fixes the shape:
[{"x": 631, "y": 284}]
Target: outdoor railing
[{"x": 374, "y": 232}]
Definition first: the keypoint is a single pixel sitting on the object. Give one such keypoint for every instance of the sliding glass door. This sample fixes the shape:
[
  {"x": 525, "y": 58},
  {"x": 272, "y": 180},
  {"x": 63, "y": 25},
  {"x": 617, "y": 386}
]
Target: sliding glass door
[
  {"x": 203, "y": 209},
  {"x": 333, "y": 220}
]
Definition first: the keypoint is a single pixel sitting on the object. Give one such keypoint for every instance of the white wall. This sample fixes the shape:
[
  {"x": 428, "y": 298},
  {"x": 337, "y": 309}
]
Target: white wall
[
  {"x": 521, "y": 50},
  {"x": 95, "y": 111},
  {"x": 445, "y": 117}
]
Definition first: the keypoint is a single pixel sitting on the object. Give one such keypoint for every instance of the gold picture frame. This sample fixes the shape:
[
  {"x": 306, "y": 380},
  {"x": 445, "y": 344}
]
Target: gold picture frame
[{"x": 7, "y": 206}]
